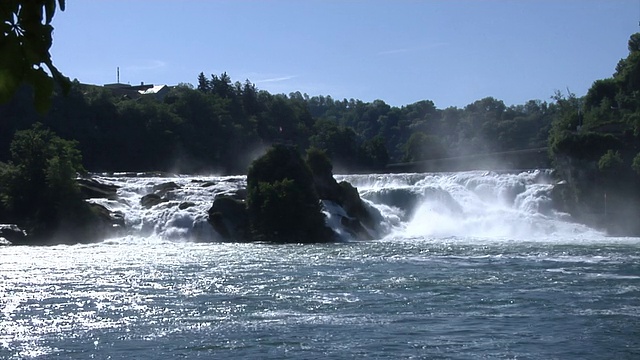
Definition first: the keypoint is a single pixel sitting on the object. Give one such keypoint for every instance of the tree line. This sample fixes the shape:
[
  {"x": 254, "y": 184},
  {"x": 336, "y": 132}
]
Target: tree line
[{"x": 220, "y": 126}]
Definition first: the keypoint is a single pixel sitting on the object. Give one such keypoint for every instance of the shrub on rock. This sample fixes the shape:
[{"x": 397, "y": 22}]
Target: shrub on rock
[{"x": 282, "y": 202}]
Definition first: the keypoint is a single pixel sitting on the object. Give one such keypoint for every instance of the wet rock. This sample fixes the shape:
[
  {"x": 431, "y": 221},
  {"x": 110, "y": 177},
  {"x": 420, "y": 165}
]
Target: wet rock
[
  {"x": 151, "y": 200},
  {"x": 162, "y": 189},
  {"x": 229, "y": 217},
  {"x": 240, "y": 194},
  {"x": 356, "y": 229},
  {"x": 186, "y": 205},
  {"x": 108, "y": 223},
  {"x": 91, "y": 189},
  {"x": 11, "y": 233},
  {"x": 343, "y": 194}
]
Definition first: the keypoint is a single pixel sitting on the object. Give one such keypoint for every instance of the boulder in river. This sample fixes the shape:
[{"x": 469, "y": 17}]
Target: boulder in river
[
  {"x": 229, "y": 217},
  {"x": 91, "y": 189},
  {"x": 151, "y": 200},
  {"x": 362, "y": 221},
  {"x": 11, "y": 233}
]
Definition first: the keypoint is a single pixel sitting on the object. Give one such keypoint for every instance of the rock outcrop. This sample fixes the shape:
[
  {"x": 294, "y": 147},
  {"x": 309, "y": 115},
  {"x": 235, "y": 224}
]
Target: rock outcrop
[
  {"x": 161, "y": 193},
  {"x": 229, "y": 217},
  {"x": 11, "y": 233},
  {"x": 283, "y": 202},
  {"x": 92, "y": 189},
  {"x": 151, "y": 200},
  {"x": 362, "y": 221}
]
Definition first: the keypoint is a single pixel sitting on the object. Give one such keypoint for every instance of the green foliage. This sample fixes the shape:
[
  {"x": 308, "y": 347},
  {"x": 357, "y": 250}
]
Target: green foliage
[
  {"x": 607, "y": 117},
  {"x": 39, "y": 187},
  {"x": 218, "y": 127},
  {"x": 318, "y": 161},
  {"x": 610, "y": 161},
  {"x": 421, "y": 146},
  {"x": 339, "y": 142},
  {"x": 634, "y": 43},
  {"x": 276, "y": 207},
  {"x": 635, "y": 165},
  {"x": 588, "y": 146},
  {"x": 282, "y": 203},
  {"x": 601, "y": 90},
  {"x": 26, "y": 39},
  {"x": 373, "y": 153},
  {"x": 567, "y": 120},
  {"x": 627, "y": 72},
  {"x": 591, "y": 137}
]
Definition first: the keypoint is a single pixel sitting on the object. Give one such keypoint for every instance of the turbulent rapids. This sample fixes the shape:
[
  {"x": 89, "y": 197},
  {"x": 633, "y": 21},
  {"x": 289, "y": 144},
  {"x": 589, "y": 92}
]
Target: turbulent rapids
[{"x": 464, "y": 204}]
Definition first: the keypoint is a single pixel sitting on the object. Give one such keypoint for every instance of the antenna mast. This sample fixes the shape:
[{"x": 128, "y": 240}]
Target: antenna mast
[{"x": 118, "y": 78}]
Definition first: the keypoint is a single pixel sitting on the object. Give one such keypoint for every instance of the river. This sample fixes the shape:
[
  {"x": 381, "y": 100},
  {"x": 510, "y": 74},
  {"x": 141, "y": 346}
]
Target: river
[{"x": 472, "y": 265}]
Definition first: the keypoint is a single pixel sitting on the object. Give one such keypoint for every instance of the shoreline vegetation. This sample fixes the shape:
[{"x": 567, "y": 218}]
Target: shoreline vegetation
[{"x": 219, "y": 126}]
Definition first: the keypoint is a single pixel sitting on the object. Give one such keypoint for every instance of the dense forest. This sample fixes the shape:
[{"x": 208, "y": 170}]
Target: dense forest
[{"x": 221, "y": 126}]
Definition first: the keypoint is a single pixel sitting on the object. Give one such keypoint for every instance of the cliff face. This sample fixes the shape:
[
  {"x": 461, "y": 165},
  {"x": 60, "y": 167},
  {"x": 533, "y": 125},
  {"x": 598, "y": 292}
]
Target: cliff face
[{"x": 608, "y": 200}]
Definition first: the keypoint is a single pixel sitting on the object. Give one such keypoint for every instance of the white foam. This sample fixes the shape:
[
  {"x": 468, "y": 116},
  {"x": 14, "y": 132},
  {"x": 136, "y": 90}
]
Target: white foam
[{"x": 474, "y": 205}]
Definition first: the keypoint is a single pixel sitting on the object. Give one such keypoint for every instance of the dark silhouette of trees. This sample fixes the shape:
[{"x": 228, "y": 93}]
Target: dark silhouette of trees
[{"x": 26, "y": 39}]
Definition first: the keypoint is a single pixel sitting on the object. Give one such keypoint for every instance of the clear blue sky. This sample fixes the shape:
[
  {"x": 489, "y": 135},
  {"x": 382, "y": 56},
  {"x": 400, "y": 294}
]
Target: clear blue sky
[{"x": 450, "y": 52}]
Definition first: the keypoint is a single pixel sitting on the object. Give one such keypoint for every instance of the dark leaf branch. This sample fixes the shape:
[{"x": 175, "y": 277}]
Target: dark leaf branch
[{"x": 24, "y": 45}]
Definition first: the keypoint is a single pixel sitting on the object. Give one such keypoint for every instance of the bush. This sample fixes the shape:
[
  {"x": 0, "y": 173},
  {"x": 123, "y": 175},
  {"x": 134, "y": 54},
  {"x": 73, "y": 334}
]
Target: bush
[{"x": 610, "y": 161}]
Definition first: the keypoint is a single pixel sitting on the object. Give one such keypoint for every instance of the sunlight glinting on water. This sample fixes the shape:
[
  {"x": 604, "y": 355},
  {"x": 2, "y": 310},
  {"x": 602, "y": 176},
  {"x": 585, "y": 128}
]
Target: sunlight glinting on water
[{"x": 471, "y": 264}]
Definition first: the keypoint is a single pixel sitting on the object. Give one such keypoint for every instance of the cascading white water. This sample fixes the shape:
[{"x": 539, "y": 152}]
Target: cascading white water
[
  {"x": 182, "y": 217},
  {"x": 475, "y": 204},
  {"x": 463, "y": 204}
]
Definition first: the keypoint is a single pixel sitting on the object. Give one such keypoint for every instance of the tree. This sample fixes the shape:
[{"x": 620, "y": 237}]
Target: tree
[
  {"x": 39, "y": 187},
  {"x": 374, "y": 153},
  {"x": 26, "y": 39},
  {"x": 204, "y": 85},
  {"x": 423, "y": 147},
  {"x": 634, "y": 43}
]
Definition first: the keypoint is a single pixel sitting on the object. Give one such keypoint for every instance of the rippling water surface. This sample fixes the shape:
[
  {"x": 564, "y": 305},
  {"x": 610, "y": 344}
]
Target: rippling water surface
[{"x": 395, "y": 298}]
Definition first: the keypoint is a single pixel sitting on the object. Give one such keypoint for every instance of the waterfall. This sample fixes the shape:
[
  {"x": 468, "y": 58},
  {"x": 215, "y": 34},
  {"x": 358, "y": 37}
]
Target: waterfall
[{"x": 476, "y": 204}]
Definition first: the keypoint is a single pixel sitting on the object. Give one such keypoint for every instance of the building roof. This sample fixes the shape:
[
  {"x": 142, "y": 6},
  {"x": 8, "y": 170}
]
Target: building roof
[{"x": 153, "y": 90}]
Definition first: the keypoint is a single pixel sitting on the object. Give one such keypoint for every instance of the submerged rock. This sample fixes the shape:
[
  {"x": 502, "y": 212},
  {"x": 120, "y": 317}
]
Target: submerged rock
[
  {"x": 161, "y": 194},
  {"x": 355, "y": 228}
]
